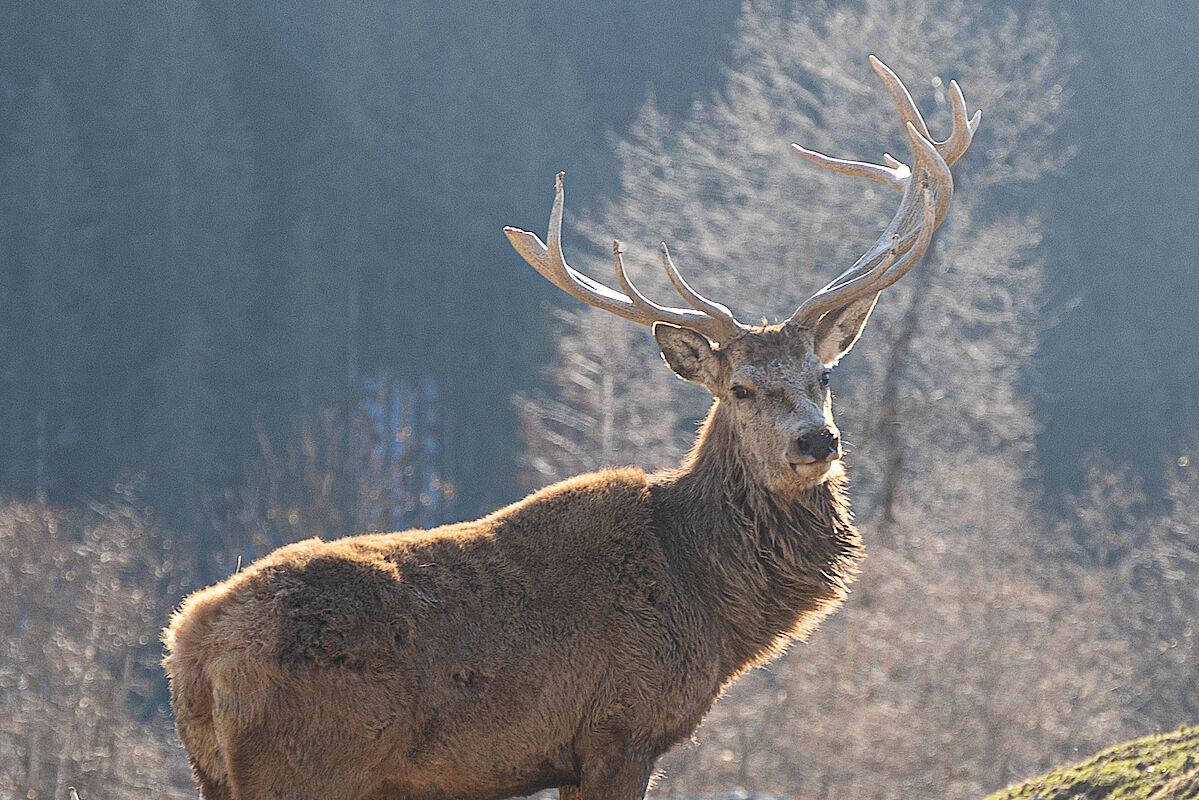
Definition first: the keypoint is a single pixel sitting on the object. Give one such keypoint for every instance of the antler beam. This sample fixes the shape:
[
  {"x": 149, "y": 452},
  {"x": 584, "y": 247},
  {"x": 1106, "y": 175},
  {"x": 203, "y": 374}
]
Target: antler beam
[
  {"x": 708, "y": 317},
  {"x": 927, "y": 186}
]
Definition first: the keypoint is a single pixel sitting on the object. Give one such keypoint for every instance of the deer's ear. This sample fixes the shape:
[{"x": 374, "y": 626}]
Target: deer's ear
[
  {"x": 839, "y": 329},
  {"x": 688, "y": 353}
]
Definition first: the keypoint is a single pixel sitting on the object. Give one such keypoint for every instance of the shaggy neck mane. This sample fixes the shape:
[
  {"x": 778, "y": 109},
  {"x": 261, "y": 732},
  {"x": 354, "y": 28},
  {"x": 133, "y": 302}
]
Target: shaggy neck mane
[{"x": 779, "y": 563}]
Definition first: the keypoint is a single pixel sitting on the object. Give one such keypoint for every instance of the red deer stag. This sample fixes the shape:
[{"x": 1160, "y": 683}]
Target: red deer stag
[{"x": 572, "y": 638}]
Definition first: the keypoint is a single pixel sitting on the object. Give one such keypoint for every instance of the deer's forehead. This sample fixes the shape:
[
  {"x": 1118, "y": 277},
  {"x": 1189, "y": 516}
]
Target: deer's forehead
[
  {"x": 769, "y": 359},
  {"x": 767, "y": 344}
]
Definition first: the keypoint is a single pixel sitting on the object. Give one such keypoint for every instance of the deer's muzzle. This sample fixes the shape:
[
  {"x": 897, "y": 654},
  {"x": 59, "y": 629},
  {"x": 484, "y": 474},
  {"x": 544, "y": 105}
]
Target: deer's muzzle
[{"x": 821, "y": 444}]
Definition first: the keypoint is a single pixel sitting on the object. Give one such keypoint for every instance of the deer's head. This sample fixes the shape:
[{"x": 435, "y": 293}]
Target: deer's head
[{"x": 773, "y": 381}]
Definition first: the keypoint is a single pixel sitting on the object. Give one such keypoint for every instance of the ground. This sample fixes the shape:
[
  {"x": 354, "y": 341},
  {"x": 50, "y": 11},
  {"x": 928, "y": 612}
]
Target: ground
[{"x": 1164, "y": 767}]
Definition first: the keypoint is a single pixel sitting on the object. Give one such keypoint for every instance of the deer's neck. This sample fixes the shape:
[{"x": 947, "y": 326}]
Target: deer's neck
[{"x": 775, "y": 564}]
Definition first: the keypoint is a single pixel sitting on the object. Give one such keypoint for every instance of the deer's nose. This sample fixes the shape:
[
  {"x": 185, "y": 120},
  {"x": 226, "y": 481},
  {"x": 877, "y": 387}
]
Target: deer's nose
[{"x": 822, "y": 444}]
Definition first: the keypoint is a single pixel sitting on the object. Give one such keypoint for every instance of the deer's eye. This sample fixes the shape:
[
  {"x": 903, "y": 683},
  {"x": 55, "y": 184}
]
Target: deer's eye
[
  {"x": 824, "y": 379},
  {"x": 742, "y": 392}
]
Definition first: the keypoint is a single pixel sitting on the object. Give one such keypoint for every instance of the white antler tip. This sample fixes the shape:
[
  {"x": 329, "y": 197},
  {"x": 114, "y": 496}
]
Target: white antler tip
[
  {"x": 517, "y": 236},
  {"x": 918, "y": 138},
  {"x": 882, "y": 69},
  {"x": 812, "y": 155}
]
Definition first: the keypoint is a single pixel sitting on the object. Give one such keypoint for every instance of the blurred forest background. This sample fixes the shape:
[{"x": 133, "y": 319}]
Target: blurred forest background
[{"x": 253, "y": 288}]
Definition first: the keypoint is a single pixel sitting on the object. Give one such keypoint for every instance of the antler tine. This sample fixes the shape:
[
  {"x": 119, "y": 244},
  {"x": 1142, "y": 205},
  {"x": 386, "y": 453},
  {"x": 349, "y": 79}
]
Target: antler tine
[
  {"x": 963, "y": 130},
  {"x": 697, "y": 300},
  {"x": 647, "y": 306},
  {"x": 713, "y": 320},
  {"x": 894, "y": 175}
]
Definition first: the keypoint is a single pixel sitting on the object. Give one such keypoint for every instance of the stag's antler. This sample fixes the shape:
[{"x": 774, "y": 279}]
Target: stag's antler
[
  {"x": 710, "y": 318},
  {"x": 927, "y": 186}
]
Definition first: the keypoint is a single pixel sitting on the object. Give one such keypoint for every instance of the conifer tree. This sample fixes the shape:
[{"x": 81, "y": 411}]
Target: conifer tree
[
  {"x": 188, "y": 204},
  {"x": 50, "y": 309}
]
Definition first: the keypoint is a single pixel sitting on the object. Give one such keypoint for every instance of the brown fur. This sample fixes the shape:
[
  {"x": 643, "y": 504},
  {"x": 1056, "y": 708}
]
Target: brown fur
[{"x": 567, "y": 640}]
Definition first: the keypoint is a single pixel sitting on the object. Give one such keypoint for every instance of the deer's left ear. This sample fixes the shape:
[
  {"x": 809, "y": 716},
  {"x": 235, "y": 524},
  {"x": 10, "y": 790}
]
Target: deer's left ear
[
  {"x": 839, "y": 329},
  {"x": 688, "y": 353}
]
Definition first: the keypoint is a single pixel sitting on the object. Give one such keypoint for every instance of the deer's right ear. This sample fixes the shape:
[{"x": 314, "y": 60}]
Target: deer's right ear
[
  {"x": 838, "y": 330},
  {"x": 688, "y": 353}
]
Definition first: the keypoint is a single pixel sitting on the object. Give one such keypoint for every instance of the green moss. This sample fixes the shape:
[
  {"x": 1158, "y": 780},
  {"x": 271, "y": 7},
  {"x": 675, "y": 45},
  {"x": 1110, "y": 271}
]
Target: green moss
[{"x": 1164, "y": 767}]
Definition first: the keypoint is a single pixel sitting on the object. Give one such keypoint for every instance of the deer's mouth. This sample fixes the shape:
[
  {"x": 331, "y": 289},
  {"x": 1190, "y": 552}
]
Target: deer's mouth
[
  {"x": 814, "y": 462},
  {"x": 814, "y": 471}
]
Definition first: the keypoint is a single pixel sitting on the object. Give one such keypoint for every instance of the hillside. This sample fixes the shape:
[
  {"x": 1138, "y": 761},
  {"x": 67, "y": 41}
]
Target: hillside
[{"x": 1164, "y": 767}]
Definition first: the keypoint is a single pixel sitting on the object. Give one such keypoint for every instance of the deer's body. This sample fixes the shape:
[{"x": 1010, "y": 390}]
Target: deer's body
[
  {"x": 572, "y": 638},
  {"x": 485, "y": 659}
]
